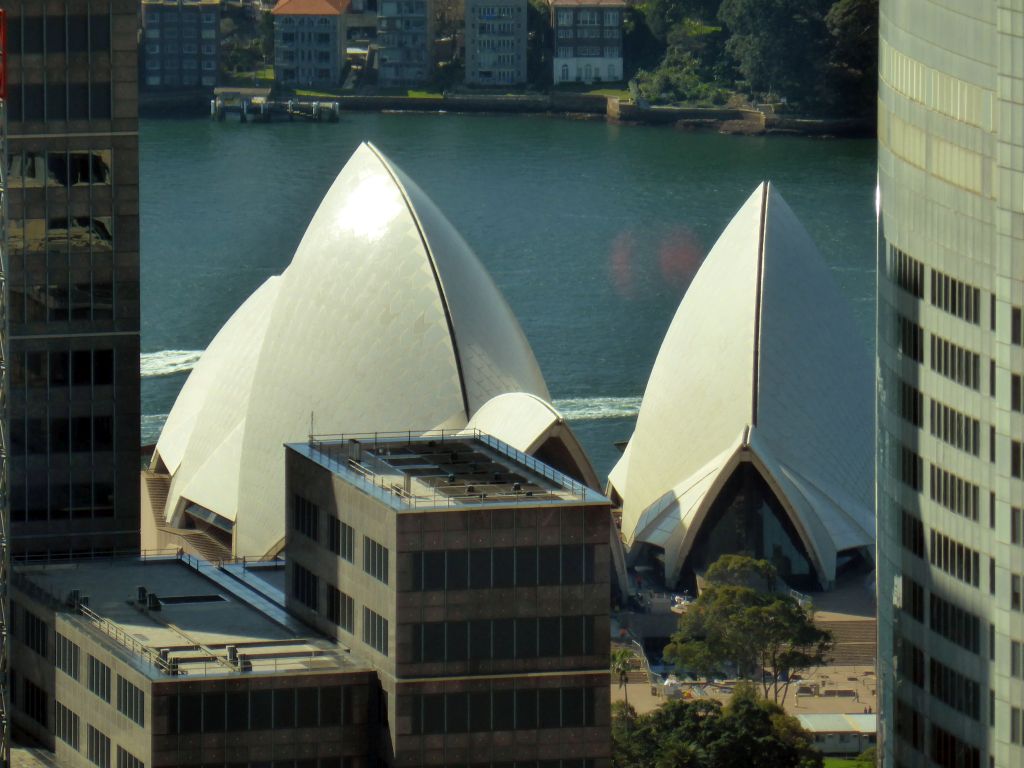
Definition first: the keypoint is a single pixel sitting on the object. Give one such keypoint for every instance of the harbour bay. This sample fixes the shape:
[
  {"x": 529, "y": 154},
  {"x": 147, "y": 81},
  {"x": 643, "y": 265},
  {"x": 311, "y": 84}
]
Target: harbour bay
[{"x": 591, "y": 230}]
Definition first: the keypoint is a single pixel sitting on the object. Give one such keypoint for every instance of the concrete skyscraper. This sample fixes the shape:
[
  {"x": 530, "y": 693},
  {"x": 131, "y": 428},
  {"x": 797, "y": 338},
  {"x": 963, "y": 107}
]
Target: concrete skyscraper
[
  {"x": 950, "y": 365},
  {"x": 72, "y": 230}
]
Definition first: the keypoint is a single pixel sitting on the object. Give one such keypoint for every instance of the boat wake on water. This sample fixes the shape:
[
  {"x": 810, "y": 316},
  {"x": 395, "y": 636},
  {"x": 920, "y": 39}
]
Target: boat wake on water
[
  {"x": 168, "y": 362},
  {"x": 596, "y": 408}
]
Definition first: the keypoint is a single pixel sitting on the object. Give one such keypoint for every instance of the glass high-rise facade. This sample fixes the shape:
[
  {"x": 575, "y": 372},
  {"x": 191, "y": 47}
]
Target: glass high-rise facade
[
  {"x": 72, "y": 231},
  {"x": 950, "y": 366}
]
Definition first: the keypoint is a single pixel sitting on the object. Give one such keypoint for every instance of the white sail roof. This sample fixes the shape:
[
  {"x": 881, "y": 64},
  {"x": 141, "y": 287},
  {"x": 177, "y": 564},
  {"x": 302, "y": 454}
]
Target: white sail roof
[
  {"x": 384, "y": 320},
  {"x": 762, "y": 363}
]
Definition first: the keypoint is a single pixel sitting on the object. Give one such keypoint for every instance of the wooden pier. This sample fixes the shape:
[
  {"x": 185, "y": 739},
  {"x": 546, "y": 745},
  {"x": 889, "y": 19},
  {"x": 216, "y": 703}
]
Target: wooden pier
[{"x": 255, "y": 105}]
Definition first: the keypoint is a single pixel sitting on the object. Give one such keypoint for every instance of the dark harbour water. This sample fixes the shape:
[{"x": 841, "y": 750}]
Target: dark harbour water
[{"x": 592, "y": 231}]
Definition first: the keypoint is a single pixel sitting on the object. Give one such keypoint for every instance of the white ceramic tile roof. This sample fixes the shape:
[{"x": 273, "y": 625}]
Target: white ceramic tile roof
[
  {"x": 762, "y": 363},
  {"x": 826, "y": 723},
  {"x": 527, "y": 422},
  {"x": 384, "y": 320}
]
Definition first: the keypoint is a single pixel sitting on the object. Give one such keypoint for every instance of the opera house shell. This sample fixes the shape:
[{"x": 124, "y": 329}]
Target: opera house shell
[
  {"x": 384, "y": 321},
  {"x": 755, "y": 434}
]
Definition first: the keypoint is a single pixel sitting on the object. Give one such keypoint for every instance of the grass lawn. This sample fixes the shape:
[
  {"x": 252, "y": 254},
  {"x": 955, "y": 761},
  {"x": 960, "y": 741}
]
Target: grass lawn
[
  {"x": 842, "y": 762},
  {"x": 595, "y": 89},
  {"x": 316, "y": 94},
  {"x": 424, "y": 94}
]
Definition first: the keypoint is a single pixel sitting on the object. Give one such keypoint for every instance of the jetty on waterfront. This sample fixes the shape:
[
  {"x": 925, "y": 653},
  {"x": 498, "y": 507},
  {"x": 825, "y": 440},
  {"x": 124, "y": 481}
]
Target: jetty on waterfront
[{"x": 255, "y": 104}]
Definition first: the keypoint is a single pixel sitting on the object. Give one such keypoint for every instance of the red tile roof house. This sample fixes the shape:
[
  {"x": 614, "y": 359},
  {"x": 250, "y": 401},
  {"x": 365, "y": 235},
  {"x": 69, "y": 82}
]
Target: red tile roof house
[{"x": 309, "y": 42}]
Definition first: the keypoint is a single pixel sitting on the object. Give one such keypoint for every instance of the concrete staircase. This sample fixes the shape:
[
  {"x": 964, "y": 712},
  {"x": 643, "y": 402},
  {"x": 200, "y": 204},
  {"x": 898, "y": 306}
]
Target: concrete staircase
[
  {"x": 855, "y": 642},
  {"x": 193, "y": 542}
]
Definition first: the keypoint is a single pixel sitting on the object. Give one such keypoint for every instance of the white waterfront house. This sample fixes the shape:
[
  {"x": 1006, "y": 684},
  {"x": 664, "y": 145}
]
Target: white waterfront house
[{"x": 587, "y": 40}]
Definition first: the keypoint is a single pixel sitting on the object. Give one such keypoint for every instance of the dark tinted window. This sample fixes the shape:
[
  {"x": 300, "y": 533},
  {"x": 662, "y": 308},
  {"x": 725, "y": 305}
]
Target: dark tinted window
[
  {"x": 549, "y": 566},
  {"x": 526, "y": 709},
  {"x": 78, "y": 101},
  {"x": 54, "y": 34},
  {"x": 103, "y": 360},
  {"x": 526, "y": 638},
  {"x": 238, "y": 711},
  {"x": 433, "y": 641},
  {"x": 433, "y": 713},
  {"x": 190, "y": 710},
  {"x": 457, "y": 641},
  {"x": 32, "y": 34},
  {"x": 78, "y": 34},
  {"x": 56, "y": 101},
  {"x": 284, "y": 708},
  {"x": 99, "y": 32},
  {"x": 549, "y": 708},
  {"x": 572, "y": 707},
  {"x": 306, "y": 707},
  {"x": 213, "y": 712},
  {"x": 480, "y": 639},
  {"x": 330, "y": 706},
  {"x": 504, "y": 567},
  {"x": 479, "y": 712},
  {"x": 262, "y": 714},
  {"x": 572, "y": 564},
  {"x": 458, "y": 565},
  {"x": 504, "y": 710},
  {"x": 504, "y": 638},
  {"x": 457, "y": 712},
  {"x": 572, "y": 635},
  {"x": 479, "y": 568},
  {"x": 100, "y": 101},
  {"x": 433, "y": 570},
  {"x": 549, "y": 637},
  {"x": 32, "y": 106},
  {"x": 526, "y": 566}
]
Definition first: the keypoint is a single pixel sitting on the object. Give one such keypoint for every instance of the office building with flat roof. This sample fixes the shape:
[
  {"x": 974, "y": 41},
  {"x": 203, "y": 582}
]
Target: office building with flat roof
[
  {"x": 72, "y": 231},
  {"x": 950, "y": 408},
  {"x": 475, "y": 580},
  {"x": 174, "y": 662}
]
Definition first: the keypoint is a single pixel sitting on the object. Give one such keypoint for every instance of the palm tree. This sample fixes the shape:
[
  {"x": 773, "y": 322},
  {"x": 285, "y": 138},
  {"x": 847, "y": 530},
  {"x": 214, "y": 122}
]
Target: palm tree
[{"x": 622, "y": 659}]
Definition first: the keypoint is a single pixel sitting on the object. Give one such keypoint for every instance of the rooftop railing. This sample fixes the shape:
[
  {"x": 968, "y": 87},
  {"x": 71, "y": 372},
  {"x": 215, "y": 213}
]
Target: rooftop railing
[{"x": 390, "y": 480}]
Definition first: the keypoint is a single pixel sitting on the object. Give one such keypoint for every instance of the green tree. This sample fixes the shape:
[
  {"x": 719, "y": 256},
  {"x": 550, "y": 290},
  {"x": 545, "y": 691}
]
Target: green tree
[
  {"x": 853, "y": 25},
  {"x": 748, "y": 731},
  {"x": 740, "y": 622},
  {"x": 622, "y": 659},
  {"x": 779, "y": 46}
]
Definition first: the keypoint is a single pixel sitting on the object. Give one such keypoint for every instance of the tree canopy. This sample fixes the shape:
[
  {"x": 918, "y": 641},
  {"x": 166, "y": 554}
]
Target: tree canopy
[
  {"x": 740, "y": 625},
  {"x": 748, "y": 731},
  {"x": 819, "y": 54}
]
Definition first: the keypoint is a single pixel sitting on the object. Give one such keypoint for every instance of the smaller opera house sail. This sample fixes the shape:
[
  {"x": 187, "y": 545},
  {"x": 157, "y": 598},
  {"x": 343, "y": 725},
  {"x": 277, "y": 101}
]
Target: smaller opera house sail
[
  {"x": 755, "y": 434},
  {"x": 384, "y": 320}
]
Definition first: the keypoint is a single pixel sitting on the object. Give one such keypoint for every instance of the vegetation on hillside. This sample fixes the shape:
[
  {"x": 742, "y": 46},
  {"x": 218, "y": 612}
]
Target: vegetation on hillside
[{"x": 812, "y": 55}]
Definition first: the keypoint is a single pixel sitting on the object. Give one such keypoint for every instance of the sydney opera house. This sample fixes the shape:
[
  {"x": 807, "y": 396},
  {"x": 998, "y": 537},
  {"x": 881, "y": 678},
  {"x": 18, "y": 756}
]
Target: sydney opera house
[
  {"x": 384, "y": 321},
  {"x": 754, "y": 435},
  {"x": 755, "y": 432}
]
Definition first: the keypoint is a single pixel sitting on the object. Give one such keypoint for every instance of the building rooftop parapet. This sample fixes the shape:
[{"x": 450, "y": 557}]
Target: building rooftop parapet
[
  {"x": 440, "y": 469},
  {"x": 216, "y": 628}
]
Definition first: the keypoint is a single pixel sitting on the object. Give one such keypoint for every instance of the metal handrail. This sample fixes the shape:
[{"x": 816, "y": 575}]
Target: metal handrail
[{"x": 368, "y": 478}]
